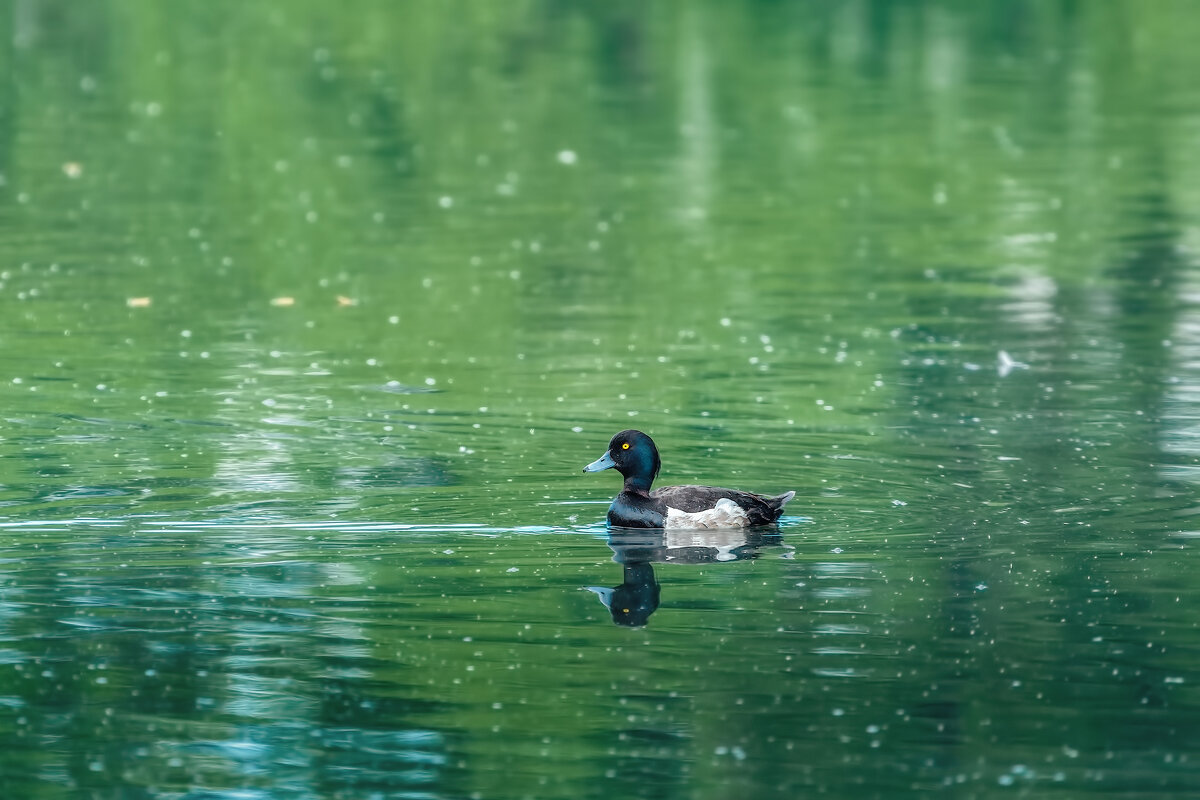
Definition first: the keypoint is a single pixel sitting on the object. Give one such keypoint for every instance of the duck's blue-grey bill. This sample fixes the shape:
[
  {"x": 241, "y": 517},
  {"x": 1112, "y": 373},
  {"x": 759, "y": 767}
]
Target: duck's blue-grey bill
[
  {"x": 603, "y": 462},
  {"x": 605, "y": 594}
]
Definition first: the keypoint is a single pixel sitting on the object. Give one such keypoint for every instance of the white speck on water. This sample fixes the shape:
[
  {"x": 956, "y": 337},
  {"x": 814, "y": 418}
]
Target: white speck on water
[
  {"x": 427, "y": 283},
  {"x": 186, "y": 334},
  {"x": 1006, "y": 364},
  {"x": 445, "y": 201},
  {"x": 837, "y": 550},
  {"x": 726, "y": 322},
  {"x": 269, "y": 402},
  {"x": 393, "y": 320},
  {"x": 899, "y": 503},
  {"x": 515, "y": 274},
  {"x": 567, "y": 157},
  {"x": 838, "y": 712},
  {"x": 513, "y": 569},
  {"x": 577, "y": 429},
  {"x": 981, "y": 587},
  {"x": 371, "y": 362},
  {"x": 430, "y": 381}
]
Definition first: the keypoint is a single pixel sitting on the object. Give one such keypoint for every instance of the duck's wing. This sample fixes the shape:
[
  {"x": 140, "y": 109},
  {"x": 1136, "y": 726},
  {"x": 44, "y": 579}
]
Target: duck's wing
[
  {"x": 694, "y": 498},
  {"x": 762, "y": 510}
]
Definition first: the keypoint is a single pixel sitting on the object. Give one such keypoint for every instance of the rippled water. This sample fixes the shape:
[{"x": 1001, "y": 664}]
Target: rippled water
[{"x": 310, "y": 318}]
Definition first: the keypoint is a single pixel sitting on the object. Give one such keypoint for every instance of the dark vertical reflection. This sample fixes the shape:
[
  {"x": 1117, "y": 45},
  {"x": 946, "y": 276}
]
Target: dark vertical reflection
[{"x": 8, "y": 96}]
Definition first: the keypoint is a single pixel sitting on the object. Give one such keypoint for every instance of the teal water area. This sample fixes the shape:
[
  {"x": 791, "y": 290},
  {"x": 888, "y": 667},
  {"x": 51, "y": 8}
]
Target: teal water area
[{"x": 311, "y": 315}]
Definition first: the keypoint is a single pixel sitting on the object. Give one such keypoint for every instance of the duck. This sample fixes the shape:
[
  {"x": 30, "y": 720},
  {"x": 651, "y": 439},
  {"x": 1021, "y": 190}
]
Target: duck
[{"x": 634, "y": 455}]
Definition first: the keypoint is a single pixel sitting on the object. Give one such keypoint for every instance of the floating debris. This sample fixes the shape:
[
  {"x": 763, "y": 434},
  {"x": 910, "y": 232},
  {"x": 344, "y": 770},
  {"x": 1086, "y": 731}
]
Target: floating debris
[
  {"x": 72, "y": 169},
  {"x": 138, "y": 302},
  {"x": 396, "y": 387},
  {"x": 344, "y": 301},
  {"x": 1006, "y": 364},
  {"x": 283, "y": 301}
]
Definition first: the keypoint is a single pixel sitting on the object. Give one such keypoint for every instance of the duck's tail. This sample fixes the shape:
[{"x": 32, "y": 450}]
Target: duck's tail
[{"x": 777, "y": 503}]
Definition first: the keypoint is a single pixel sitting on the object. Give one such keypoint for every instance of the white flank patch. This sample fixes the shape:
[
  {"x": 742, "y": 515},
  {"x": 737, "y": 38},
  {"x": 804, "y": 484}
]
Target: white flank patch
[{"x": 726, "y": 514}]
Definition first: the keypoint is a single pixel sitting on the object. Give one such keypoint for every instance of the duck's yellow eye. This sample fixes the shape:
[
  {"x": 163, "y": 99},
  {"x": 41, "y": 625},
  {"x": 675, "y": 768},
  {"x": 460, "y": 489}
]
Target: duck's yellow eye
[{"x": 625, "y": 446}]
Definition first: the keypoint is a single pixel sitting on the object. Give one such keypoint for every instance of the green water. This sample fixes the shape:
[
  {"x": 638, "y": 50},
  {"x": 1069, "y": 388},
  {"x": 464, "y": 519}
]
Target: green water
[{"x": 311, "y": 314}]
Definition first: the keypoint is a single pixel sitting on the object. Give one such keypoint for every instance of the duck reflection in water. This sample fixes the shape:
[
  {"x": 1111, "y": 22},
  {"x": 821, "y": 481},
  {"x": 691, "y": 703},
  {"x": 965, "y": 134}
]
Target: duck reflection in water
[{"x": 637, "y": 550}]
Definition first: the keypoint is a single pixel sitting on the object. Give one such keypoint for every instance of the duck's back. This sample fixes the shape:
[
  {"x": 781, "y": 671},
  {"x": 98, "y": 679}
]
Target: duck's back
[{"x": 759, "y": 509}]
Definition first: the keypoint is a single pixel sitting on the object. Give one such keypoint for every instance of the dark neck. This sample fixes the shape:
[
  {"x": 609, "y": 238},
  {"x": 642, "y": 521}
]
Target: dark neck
[{"x": 637, "y": 484}]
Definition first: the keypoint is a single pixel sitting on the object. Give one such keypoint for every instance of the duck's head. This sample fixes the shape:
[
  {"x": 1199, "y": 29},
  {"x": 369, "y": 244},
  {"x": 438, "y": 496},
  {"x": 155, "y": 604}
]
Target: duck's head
[{"x": 633, "y": 454}]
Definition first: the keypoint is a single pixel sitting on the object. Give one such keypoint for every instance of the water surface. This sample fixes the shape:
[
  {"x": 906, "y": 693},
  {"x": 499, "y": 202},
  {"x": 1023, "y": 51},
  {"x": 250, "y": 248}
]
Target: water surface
[{"x": 310, "y": 318}]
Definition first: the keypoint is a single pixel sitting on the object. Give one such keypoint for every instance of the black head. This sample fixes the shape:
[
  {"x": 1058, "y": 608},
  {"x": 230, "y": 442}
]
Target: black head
[
  {"x": 633, "y": 454},
  {"x": 632, "y": 602}
]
